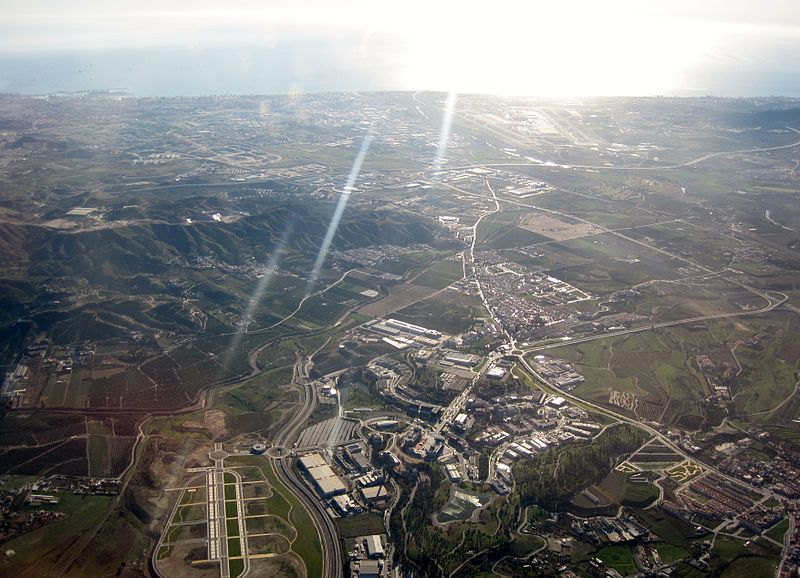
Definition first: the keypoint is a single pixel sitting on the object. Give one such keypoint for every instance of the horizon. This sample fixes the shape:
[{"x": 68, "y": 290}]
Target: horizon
[
  {"x": 123, "y": 93},
  {"x": 577, "y": 49}
]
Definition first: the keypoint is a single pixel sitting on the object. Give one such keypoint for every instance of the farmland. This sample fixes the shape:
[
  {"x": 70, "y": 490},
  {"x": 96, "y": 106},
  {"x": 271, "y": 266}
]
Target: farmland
[{"x": 662, "y": 369}]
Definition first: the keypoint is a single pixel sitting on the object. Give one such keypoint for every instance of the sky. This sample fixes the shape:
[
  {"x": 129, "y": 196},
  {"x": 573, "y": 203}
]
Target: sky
[{"x": 566, "y": 48}]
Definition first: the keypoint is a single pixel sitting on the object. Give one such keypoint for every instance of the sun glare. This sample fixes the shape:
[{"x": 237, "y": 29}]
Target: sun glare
[
  {"x": 569, "y": 48},
  {"x": 551, "y": 53}
]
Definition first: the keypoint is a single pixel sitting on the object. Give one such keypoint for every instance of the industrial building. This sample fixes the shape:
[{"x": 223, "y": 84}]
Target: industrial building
[
  {"x": 370, "y": 569},
  {"x": 462, "y": 422},
  {"x": 325, "y": 480},
  {"x": 452, "y": 473},
  {"x": 414, "y": 329},
  {"x": 462, "y": 359},
  {"x": 345, "y": 505},
  {"x": 374, "y": 494},
  {"x": 496, "y": 374},
  {"x": 400, "y": 334},
  {"x": 374, "y": 546},
  {"x": 391, "y": 459}
]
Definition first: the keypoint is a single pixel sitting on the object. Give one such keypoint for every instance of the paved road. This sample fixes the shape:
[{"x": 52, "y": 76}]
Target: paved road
[
  {"x": 298, "y": 308},
  {"x": 772, "y": 305},
  {"x": 635, "y": 422},
  {"x": 329, "y": 537},
  {"x": 217, "y": 528},
  {"x": 454, "y": 407},
  {"x": 688, "y": 163}
]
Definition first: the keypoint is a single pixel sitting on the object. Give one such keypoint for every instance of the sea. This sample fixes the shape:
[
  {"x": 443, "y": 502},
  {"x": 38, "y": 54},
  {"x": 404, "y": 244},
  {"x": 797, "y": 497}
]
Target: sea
[{"x": 316, "y": 66}]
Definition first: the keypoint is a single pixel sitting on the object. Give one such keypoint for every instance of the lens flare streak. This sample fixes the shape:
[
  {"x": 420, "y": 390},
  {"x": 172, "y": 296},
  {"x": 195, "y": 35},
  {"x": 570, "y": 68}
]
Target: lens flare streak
[
  {"x": 444, "y": 134},
  {"x": 339, "y": 211},
  {"x": 261, "y": 287}
]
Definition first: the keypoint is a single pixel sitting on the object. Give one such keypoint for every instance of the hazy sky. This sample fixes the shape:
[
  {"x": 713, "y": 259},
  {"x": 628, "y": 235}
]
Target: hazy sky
[{"x": 734, "y": 47}]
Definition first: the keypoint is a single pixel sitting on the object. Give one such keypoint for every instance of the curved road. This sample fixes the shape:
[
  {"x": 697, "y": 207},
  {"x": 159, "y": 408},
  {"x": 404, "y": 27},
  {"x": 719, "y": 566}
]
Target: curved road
[
  {"x": 767, "y": 308},
  {"x": 635, "y": 422},
  {"x": 329, "y": 536},
  {"x": 688, "y": 163}
]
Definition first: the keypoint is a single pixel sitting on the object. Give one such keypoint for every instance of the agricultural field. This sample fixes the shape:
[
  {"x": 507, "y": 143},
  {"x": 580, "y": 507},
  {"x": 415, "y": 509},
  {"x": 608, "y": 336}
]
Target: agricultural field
[
  {"x": 399, "y": 296},
  {"x": 666, "y": 374},
  {"x": 146, "y": 378},
  {"x": 600, "y": 212},
  {"x": 605, "y": 263},
  {"x": 69, "y": 445},
  {"x": 687, "y": 298},
  {"x": 508, "y": 230},
  {"x": 441, "y": 274},
  {"x": 258, "y": 405},
  {"x": 690, "y": 241},
  {"x": 449, "y": 312},
  {"x": 47, "y": 548},
  {"x": 652, "y": 376}
]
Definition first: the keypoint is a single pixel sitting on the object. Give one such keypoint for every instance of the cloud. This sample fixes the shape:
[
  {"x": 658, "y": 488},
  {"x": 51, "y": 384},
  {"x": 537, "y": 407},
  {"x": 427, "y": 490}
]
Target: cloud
[{"x": 573, "y": 47}]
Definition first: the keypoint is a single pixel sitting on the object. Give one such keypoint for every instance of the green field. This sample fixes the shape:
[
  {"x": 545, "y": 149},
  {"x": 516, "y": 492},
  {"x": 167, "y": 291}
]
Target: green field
[
  {"x": 278, "y": 505},
  {"x": 233, "y": 527},
  {"x": 700, "y": 244},
  {"x": 620, "y": 558},
  {"x": 639, "y": 495},
  {"x": 231, "y": 509},
  {"x": 360, "y": 525},
  {"x": 230, "y": 492},
  {"x": 727, "y": 547},
  {"x": 442, "y": 313},
  {"x": 441, "y": 274},
  {"x": 778, "y": 531},
  {"x": 526, "y": 544},
  {"x": 40, "y": 548},
  {"x": 234, "y": 545},
  {"x": 642, "y": 365},
  {"x": 661, "y": 365},
  {"x": 748, "y": 567},
  {"x": 605, "y": 263},
  {"x": 668, "y": 528},
  {"x": 236, "y": 567},
  {"x": 670, "y": 553}
]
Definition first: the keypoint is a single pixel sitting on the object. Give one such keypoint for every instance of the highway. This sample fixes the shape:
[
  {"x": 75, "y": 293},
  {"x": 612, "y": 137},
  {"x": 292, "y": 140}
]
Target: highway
[
  {"x": 677, "y": 449},
  {"x": 688, "y": 163},
  {"x": 635, "y": 422},
  {"x": 772, "y": 305},
  {"x": 328, "y": 534}
]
